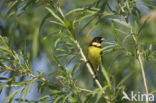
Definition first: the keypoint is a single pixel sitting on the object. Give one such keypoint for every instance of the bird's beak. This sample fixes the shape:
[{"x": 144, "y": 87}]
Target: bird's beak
[{"x": 102, "y": 39}]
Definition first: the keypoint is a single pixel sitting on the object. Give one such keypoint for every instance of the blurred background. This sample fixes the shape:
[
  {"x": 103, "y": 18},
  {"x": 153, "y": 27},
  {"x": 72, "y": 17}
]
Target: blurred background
[{"x": 33, "y": 32}]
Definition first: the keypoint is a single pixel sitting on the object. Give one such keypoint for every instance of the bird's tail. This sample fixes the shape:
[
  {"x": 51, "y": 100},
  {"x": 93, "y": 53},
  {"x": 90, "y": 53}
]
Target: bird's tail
[{"x": 96, "y": 75}]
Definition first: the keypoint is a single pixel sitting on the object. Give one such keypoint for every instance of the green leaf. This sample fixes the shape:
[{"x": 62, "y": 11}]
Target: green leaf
[
  {"x": 10, "y": 38},
  {"x": 56, "y": 100},
  {"x": 1, "y": 90},
  {"x": 4, "y": 49},
  {"x": 12, "y": 6},
  {"x": 57, "y": 73},
  {"x": 27, "y": 101},
  {"x": 43, "y": 20},
  {"x": 13, "y": 94},
  {"x": 124, "y": 39},
  {"x": 74, "y": 11},
  {"x": 25, "y": 92},
  {"x": 123, "y": 23},
  {"x": 56, "y": 42},
  {"x": 55, "y": 91},
  {"x": 74, "y": 69},
  {"x": 104, "y": 72},
  {"x": 91, "y": 19},
  {"x": 107, "y": 14},
  {"x": 122, "y": 32},
  {"x": 57, "y": 17},
  {"x": 61, "y": 49},
  {"x": 55, "y": 22},
  {"x": 68, "y": 71},
  {"x": 3, "y": 78},
  {"x": 112, "y": 50},
  {"x": 116, "y": 35},
  {"x": 99, "y": 94},
  {"x": 35, "y": 43},
  {"x": 6, "y": 84},
  {"x": 46, "y": 96},
  {"x": 65, "y": 98},
  {"x": 125, "y": 78},
  {"x": 85, "y": 17},
  {"x": 58, "y": 62},
  {"x": 142, "y": 26},
  {"x": 90, "y": 10},
  {"x": 109, "y": 46},
  {"x": 73, "y": 100}
]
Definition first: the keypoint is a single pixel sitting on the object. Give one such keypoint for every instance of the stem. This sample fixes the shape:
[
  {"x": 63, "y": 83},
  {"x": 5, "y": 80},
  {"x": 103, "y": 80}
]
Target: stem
[
  {"x": 154, "y": 91},
  {"x": 141, "y": 65},
  {"x": 84, "y": 90},
  {"x": 87, "y": 64},
  {"x": 25, "y": 73}
]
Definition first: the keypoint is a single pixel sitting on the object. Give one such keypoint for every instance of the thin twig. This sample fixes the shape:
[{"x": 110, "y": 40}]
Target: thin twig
[
  {"x": 60, "y": 81},
  {"x": 87, "y": 64},
  {"x": 141, "y": 65},
  {"x": 24, "y": 73},
  {"x": 154, "y": 91},
  {"x": 140, "y": 62},
  {"x": 84, "y": 90}
]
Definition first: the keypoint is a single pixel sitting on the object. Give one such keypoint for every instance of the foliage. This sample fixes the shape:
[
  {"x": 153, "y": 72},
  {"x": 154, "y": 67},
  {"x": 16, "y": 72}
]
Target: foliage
[{"x": 54, "y": 29}]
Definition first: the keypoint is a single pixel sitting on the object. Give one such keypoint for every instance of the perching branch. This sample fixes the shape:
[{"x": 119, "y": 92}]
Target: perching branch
[
  {"x": 87, "y": 64},
  {"x": 81, "y": 52},
  {"x": 141, "y": 65}
]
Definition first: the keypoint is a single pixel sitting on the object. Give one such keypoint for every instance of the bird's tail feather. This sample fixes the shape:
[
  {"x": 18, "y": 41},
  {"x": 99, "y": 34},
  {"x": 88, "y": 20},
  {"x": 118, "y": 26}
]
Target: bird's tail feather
[{"x": 96, "y": 76}]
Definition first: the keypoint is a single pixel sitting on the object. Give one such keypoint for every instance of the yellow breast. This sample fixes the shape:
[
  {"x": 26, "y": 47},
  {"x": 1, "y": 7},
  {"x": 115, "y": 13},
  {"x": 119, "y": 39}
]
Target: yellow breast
[{"x": 94, "y": 56}]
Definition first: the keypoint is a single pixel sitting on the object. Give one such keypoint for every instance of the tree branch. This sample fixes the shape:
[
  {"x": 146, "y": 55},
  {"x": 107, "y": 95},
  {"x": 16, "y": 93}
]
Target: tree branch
[
  {"x": 141, "y": 65},
  {"x": 87, "y": 64}
]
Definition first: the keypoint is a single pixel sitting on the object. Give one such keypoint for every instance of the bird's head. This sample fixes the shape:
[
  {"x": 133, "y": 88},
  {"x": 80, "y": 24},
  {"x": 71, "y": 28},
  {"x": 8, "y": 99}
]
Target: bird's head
[{"x": 97, "y": 41}]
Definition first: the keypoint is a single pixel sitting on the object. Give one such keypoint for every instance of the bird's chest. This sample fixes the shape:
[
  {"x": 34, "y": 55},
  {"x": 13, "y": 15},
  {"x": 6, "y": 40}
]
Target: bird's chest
[
  {"x": 94, "y": 52},
  {"x": 94, "y": 55}
]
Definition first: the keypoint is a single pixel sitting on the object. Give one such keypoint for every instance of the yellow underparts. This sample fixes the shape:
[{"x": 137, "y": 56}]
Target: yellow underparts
[{"x": 94, "y": 55}]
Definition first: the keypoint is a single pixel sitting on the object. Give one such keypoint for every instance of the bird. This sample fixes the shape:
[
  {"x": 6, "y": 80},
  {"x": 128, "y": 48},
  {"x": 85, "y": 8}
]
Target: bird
[{"x": 94, "y": 54}]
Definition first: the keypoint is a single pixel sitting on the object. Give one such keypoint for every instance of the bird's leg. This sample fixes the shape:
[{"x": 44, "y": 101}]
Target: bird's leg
[
  {"x": 84, "y": 60},
  {"x": 97, "y": 73}
]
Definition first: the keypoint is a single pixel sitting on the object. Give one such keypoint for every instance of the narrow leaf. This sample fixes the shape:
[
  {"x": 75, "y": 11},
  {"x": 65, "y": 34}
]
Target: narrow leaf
[
  {"x": 124, "y": 79},
  {"x": 123, "y": 23},
  {"x": 116, "y": 35},
  {"x": 13, "y": 94},
  {"x": 44, "y": 97},
  {"x": 35, "y": 43},
  {"x": 25, "y": 92},
  {"x": 55, "y": 22},
  {"x": 56, "y": 42},
  {"x": 43, "y": 20},
  {"x": 74, "y": 11},
  {"x": 57, "y": 17},
  {"x": 106, "y": 76},
  {"x": 74, "y": 69}
]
